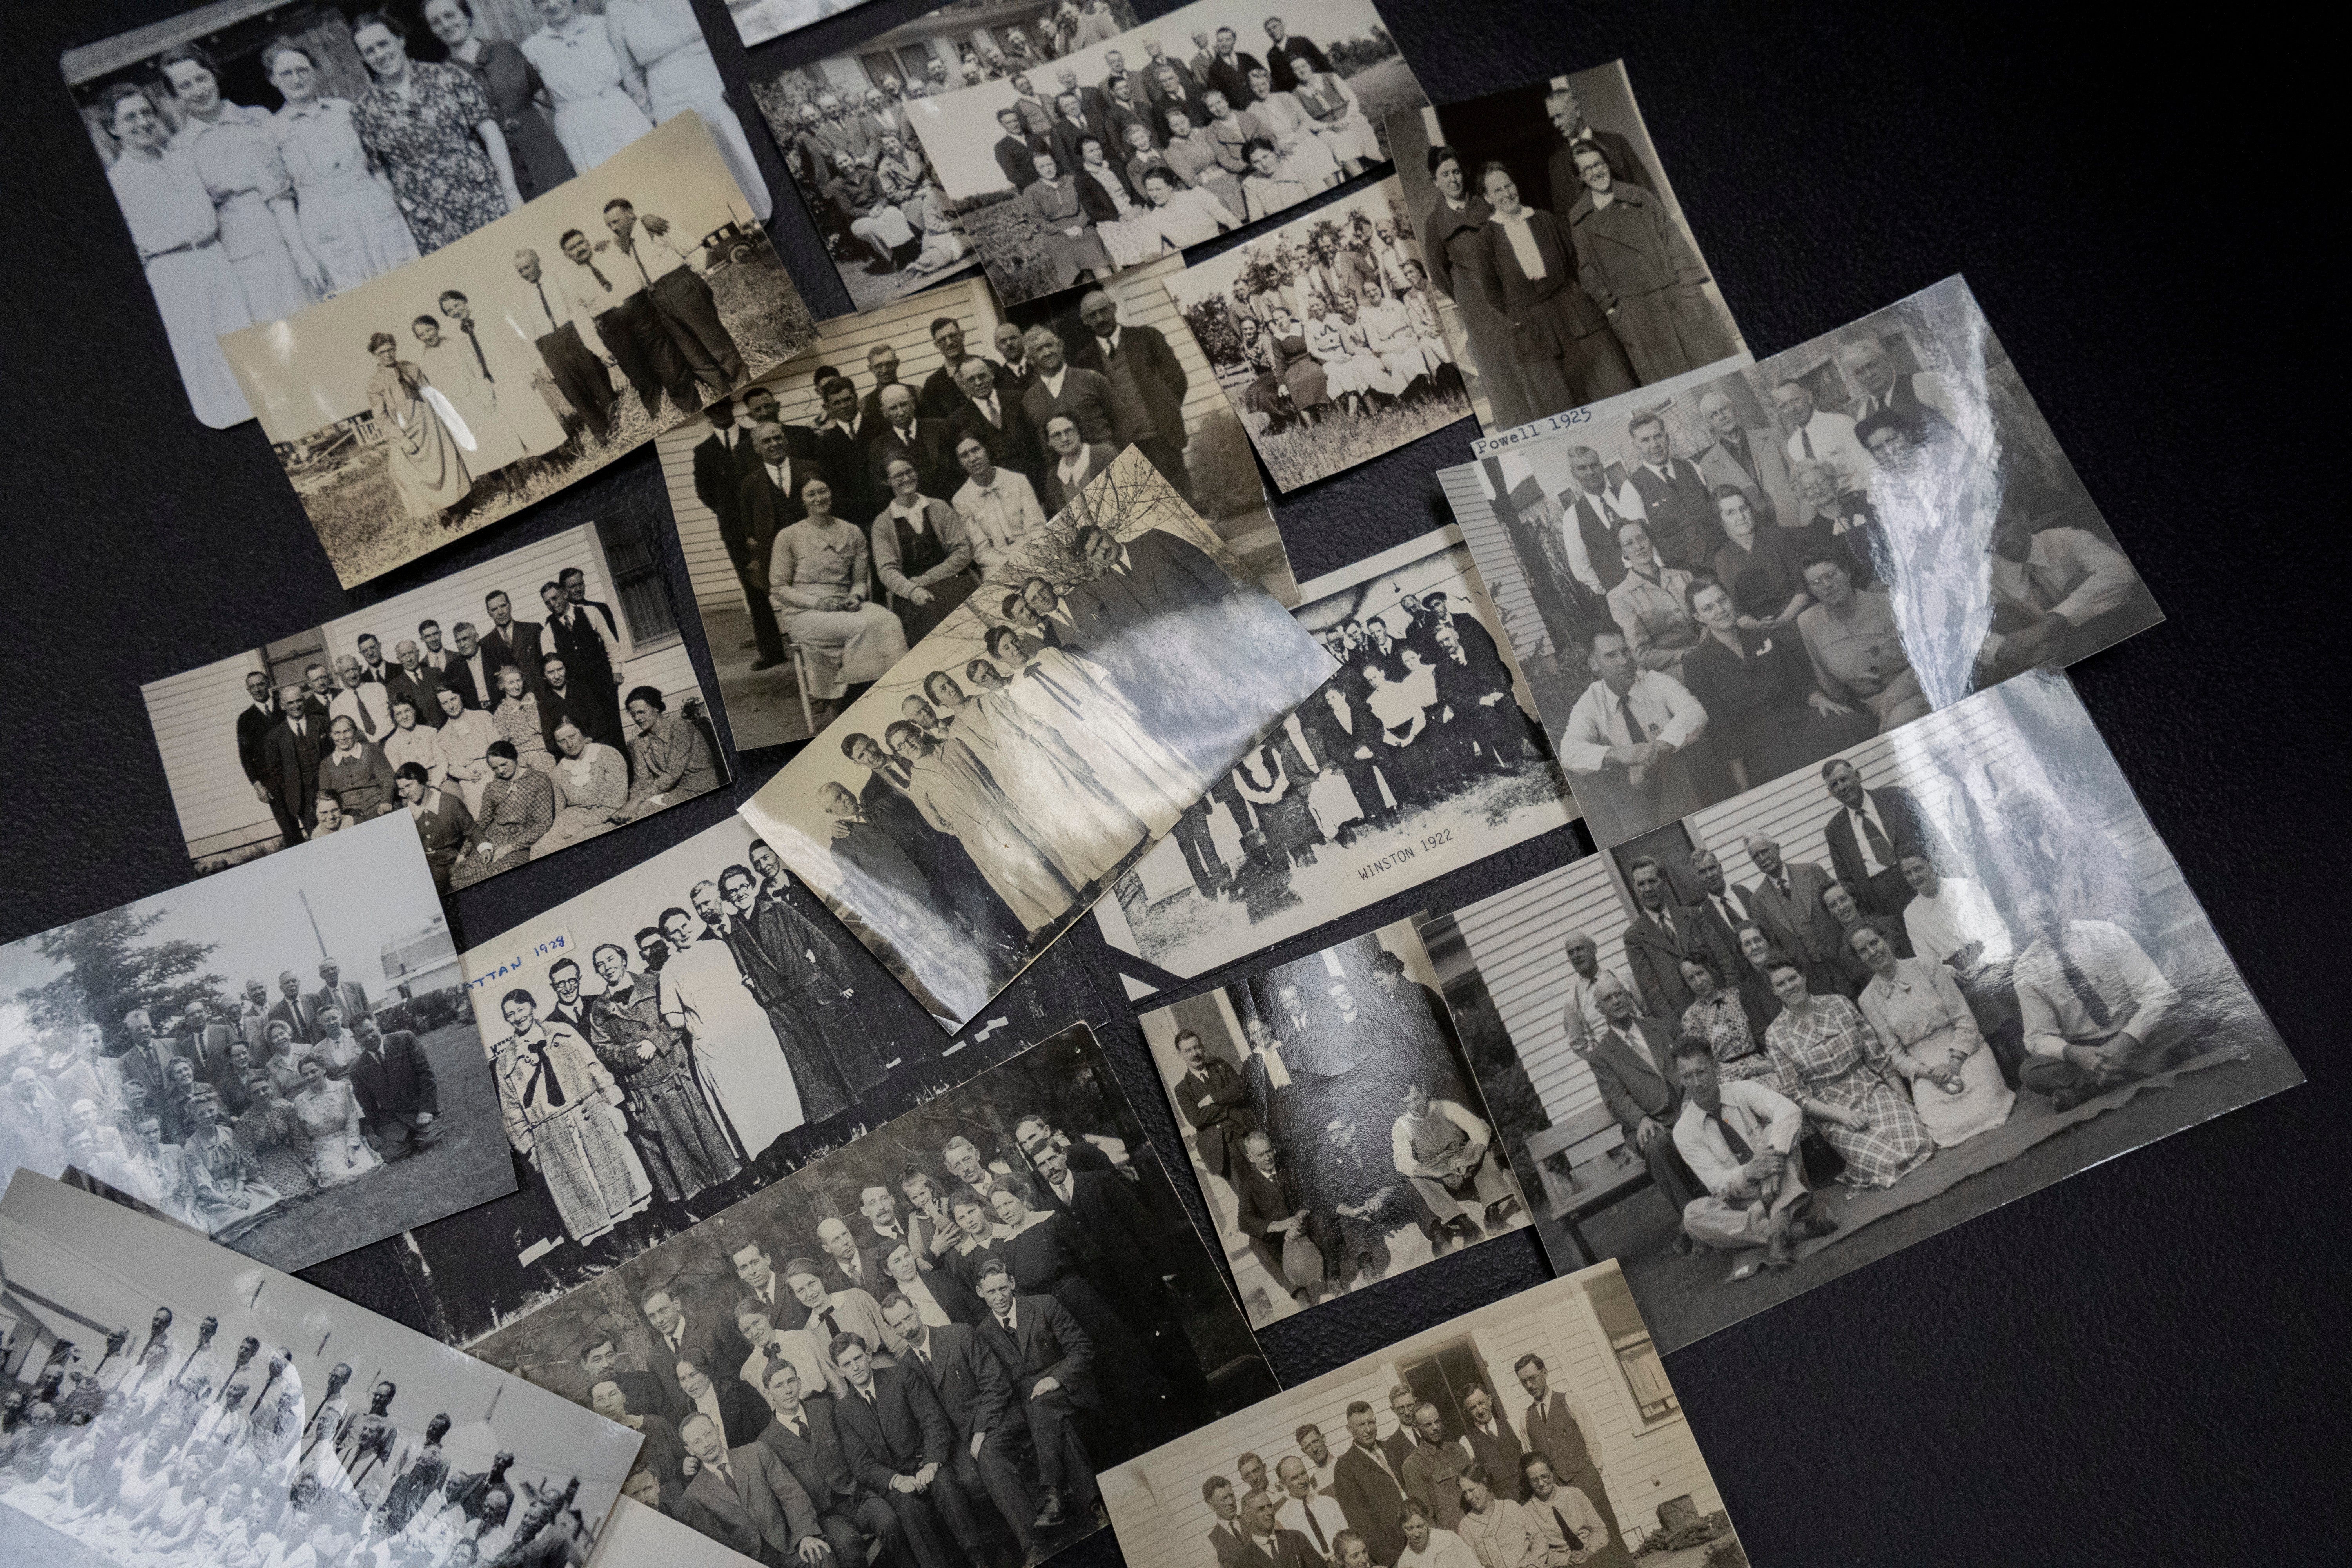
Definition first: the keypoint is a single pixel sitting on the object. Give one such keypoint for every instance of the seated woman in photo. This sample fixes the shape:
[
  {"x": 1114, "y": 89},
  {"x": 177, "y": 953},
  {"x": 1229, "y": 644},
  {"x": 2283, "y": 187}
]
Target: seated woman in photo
[
  {"x": 1194, "y": 152},
  {"x": 671, "y": 758},
  {"x": 998, "y": 506},
  {"x": 1837, "y": 519},
  {"x": 1650, "y": 603},
  {"x": 461, "y": 748},
  {"x": 1126, "y": 234},
  {"x": 1072, "y": 248},
  {"x": 1182, "y": 216},
  {"x": 356, "y": 774},
  {"x": 1721, "y": 1018},
  {"x": 1291, "y": 129},
  {"x": 1856, "y": 648},
  {"x": 1075, "y": 462},
  {"x": 1294, "y": 362},
  {"x": 1771, "y": 554},
  {"x": 1764, "y": 713},
  {"x": 1272, "y": 184},
  {"x": 329, "y": 1114},
  {"x": 518, "y": 808},
  {"x": 1916, "y": 1008},
  {"x": 922, "y": 553},
  {"x": 515, "y": 713},
  {"x": 1837, "y": 1069},
  {"x": 273, "y": 1133},
  {"x": 1845, "y": 909},
  {"x": 443, "y": 824},
  {"x": 412, "y": 741},
  {"x": 1339, "y": 122}
]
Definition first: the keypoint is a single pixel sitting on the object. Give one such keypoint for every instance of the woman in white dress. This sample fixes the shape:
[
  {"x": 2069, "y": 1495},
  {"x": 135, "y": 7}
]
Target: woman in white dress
[
  {"x": 744, "y": 1075},
  {"x": 956, "y": 796},
  {"x": 1077, "y": 821},
  {"x": 1075, "y": 699},
  {"x": 331, "y": 1114},
  {"x": 1184, "y": 216},
  {"x": 1293, "y": 132},
  {"x": 238, "y": 160},
  {"x": 663, "y": 54},
  {"x": 1916, "y": 1008},
  {"x": 412, "y": 741},
  {"x": 596, "y": 114},
  {"x": 344, "y": 203},
  {"x": 509, "y": 420},
  {"x": 1390, "y": 335},
  {"x": 173, "y": 224},
  {"x": 461, "y": 748}
]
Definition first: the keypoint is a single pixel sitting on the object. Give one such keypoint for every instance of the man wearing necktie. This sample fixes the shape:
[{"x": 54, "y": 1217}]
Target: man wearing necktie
[
  {"x": 1631, "y": 744},
  {"x": 1869, "y": 834},
  {"x": 900, "y": 1445},
  {"x": 1635, "y": 1075},
  {"x": 851, "y": 1269},
  {"x": 679, "y": 296},
  {"x": 1492, "y": 1442},
  {"x": 1740, "y": 1139},
  {"x": 1367, "y": 1487},
  {"x": 721, "y": 460},
  {"x": 294, "y": 1009},
  {"x": 747, "y": 1500},
  {"x": 768, "y": 502},
  {"x": 591, "y": 661},
  {"x": 1880, "y": 388},
  {"x": 1819, "y": 434},
  {"x": 1566, "y": 1519},
  {"x": 1266, "y": 1543},
  {"x": 270, "y": 754},
  {"x": 1788, "y": 903},
  {"x": 1681, "y": 510},
  {"x": 1302, "y": 1511},
  {"x": 991, "y": 1445},
  {"x": 1557, "y": 1441},
  {"x": 808, "y": 1439},
  {"x": 614, "y": 300},
  {"x": 563, "y": 335},
  {"x": 1721, "y": 906},
  {"x": 1051, "y": 1362},
  {"x": 363, "y": 701},
  {"x": 992, "y": 411},
  {"x": 1594, "y": 515},
  {"x": 148, "y": 1062},
  {"x": 2098, "y": 1012}
]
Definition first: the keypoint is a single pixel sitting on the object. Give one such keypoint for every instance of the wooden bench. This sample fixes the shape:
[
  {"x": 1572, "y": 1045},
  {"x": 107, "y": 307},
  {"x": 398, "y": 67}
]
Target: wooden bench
[{"x": 1585, "y": 1166}]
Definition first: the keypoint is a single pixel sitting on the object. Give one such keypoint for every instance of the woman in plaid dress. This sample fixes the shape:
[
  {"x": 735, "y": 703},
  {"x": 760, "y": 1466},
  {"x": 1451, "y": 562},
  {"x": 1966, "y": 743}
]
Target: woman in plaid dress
[{"x": 1833, "y": 1064}]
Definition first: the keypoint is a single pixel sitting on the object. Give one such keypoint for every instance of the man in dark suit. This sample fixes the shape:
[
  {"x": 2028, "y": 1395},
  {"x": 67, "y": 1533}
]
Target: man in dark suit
[
  {"x": 349, "y": 996},
  {"x": 415, "y": 683},
  {"x": 744, "y": 1498},
  {"x": 1266, "y": 1544},
  {"x": 840, "y": 451},
  {"x": 575, "y": 589},
  {"x": 1721, "y": 907},
  {"x": 1568, "y": 119},
  {"x": 1367, "y": 1487},
  {"x": 1061, "y": 387},
  {"x": 473, "y": 670},
  {"x": 1214, "y": 1102},
  {"x": 1017, "y": 151},
  {"x": 770, "y": 495},
  {"x": 943, "y": 391},
  {"x": 991, "y": 1441},
  {"x": 903, "y": 432},
  {"x": 400, "y": 1108},
  {"x": 847, "y": 1265},
  {"x": 592, "y": 661},
  {"x": 514, "y": 642},
  {"x": 1228, "y": 71},
  {"x": 990, "y": 409},
  {"x": 1680, "y": 507},
  {"x": 900, "y": 1446},
  {"x": 373, "y": 667},
  {"x": 1271, "y": 1205},
  {"x": 1290, "y": 61},
  {"x": 1787, "y": 901},
  {"x": 721, "y": 461},
  {"x": 1147, "y": 387},
  {"x": 1051, "y": 1362},
  {"x": 1227, "y": 1536},
  {"x": 709, "y": 1340},
  {"x": 148, "y": 1060},
  {"x": 1657, "y": 938},
  {"x": 295, "y": 1010},
  {"x": 882, "y": 363},
  {"x": 600, "y": 1362},
  {"x": 804, "y": 1437},
  {"x": 1868, "y": 836},
  {"x": 272, "y": 764},
  {"x": 1491, "y": 1443},
  {"x": 1553, "y": 1431},
  {"x": 1400, "y": 1444},
  {"x": 1632, "y": 1066}
]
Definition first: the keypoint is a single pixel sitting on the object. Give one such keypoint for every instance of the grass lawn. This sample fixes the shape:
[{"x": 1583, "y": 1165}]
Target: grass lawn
[{"x": 1306, "y": 453}]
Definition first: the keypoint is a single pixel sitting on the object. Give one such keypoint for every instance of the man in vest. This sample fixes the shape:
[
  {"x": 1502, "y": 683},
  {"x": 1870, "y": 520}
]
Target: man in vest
[{"x": 590, "y": 661}]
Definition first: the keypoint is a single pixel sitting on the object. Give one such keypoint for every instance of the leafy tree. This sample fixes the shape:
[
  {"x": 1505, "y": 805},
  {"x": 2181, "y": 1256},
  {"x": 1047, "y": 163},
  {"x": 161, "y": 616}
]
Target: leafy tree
[{"x": 108, "y": 971}]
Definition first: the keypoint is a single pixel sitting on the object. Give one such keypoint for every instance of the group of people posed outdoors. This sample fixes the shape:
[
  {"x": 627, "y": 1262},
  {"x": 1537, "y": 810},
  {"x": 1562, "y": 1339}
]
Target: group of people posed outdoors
[
  {"x": 951, "y": 478},
  {"x": 513, "y": 741},
  {"x": 1342, "y": 1134},
  {"x": 1501, "y": 1494},
  {"x": 926, "y": 1377},
  {"x": 868, "y": 185},
  {"x": 245, "y": 214},
  {"x": 230, "y": 1111},
  {"x": 1164, "y": 153},
  {"x": 171, "y": 1447}
]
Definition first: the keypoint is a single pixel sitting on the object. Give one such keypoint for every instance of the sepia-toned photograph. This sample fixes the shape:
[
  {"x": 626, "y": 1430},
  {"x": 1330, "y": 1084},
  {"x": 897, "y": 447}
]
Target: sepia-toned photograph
[
  {"x": 989, "y": 786},
  {"x": 888, "y": 224},
  {"x": 509, "y": 709},
  {"x": 1333, "y": 1122},
  {"x": 929, "y": 425},
  {"x": 1810, "y": 1026},
  {"x": 1328, "y": 337},
  {"x": 1733, "y": 574},
  {"x": 1049, "y": 171},
  {"x": 1540, "y": 1430},
  {"x": 928, "y": 1343},
  {"x": 283, "y": 1057},
  {"x": 168, "y": 1401},
  {"x": 1418, "y": 756},
  {"x": 1548, "y": 223},
  {"x": 413, "y": 409},
  {"x": 267, "y": 157}
]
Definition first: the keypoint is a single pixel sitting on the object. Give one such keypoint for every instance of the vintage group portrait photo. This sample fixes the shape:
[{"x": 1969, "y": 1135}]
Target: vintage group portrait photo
[
  {"x": 509, "y": 710},
  {"x": 267, "y": 158},
  {"x": 979, "y": 794},
  {"x": 945, "y": 431},
  {"x": 1810, "y": 1026},
  {"x": 1735, "y": 573},
  {"x": 1546, "y": 220},
  {"x": 187, "y": 1404},
  {"x": 281, "y": 1057},
  {"x": 1146, "y": 145},
  {"x": 417, "y": 407},
  {"x": 1540, "y": 1430},
  {"x": 1328, "y": 337},
  {"x": 939, "y": 1333},
  {"x": 1333, "y": 1122},
  {"x": 1418, "y": 755}
]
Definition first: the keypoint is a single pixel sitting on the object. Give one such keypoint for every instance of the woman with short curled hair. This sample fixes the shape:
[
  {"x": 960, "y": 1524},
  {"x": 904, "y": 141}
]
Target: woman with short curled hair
[
  {"x": 343, "y": 200},
  {"x": 431, "y": 127},
  {"x": 1855, "y": 646}
]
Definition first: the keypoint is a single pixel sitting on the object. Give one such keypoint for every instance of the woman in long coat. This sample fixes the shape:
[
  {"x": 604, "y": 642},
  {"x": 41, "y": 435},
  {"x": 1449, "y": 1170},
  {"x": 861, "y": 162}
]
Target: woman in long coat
[
  {"x": 559, "y": 1105},
  {"x": 958, "y": 797},
  {"x": 1070, "y": 243},
  {"x": 1559, "y": 338},
  {"x": 682, "y": 1149},
  {"x": 1638, "y": 266}
]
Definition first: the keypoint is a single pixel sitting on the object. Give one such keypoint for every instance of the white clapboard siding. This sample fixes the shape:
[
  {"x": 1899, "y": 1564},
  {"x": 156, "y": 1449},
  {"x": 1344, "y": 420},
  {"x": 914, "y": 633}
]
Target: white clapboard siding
[
  {"x": 1516, "y": 940},
  {"x": 1497, "y": 560},
  {"x": 194, "y": 714}
]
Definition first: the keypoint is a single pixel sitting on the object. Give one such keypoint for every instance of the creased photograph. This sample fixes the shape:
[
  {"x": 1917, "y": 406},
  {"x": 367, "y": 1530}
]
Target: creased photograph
[
  {"x": 413, "y": 409},
  {"x": 267, "y": 157},
  {"x": 926, "y": 1344},
  {"x": 283, "y": 1057},
  {"x": 1540, "y": 1430},
  {"x": 511, "y": 710},
  {"x": 1417, "y": 757},
  {"x": 987, "y": 788},
  {"x": 172, "y": 1402},
  {"x": 1810, "y": 1026},
  {"x": 1049, "y": 172},
  {"x": 946, "y": 431},
  {"x": 1333, "y": 1122},
  {"x": 1328, "y": 337},
  {"x": 1549, "y": 225},
  {"x": 1737, "y": 572}
]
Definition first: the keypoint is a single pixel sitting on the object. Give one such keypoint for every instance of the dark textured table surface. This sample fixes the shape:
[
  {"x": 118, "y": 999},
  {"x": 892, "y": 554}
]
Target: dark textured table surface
[{"x": 2131, "y": 1367}]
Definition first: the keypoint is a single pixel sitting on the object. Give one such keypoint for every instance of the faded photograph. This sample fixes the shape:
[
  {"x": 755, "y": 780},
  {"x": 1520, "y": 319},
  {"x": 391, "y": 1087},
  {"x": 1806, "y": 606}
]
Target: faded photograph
[
  {"x": 281, "y": 1057},
  {"x": 167, "y": 1401},
  {"x": 1546, "y": 220},
  {"x": 267, "y": 158},
  {"x": 757, "y": 21},
  {"x": 1807, "y": 1027},
  {"x": 1333, "y": 1122},
  {"x": 1738, "y": 572},
  {"x": 999, "y": 778},
  {"x": 926, "y": 1345}
]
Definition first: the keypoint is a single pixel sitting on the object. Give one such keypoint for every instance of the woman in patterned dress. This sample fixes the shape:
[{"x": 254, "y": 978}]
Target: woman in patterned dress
[
  {"x": 1292, "y": 130},
  {"x": 683, "y": 1149},
  {"x": 1827, "y": 1053},
  {"x": 1720, "y": 1018},
  {"x": 663, "y": 53},
  {"x": 331, "y": 1114},
  {"x": 1916, "y": 1008},
  {"x": 560, "y": 1104},
  {"x": 280, "y": 1143},
  {"x": 343, "y": 200},
  {"x": 233, "y": 154},
  {"x": 596, "y": 114},
  {"x": 435, "y": 132},
  {"x": 517, "y": 717},
  {"x": 511, "y": 84}
]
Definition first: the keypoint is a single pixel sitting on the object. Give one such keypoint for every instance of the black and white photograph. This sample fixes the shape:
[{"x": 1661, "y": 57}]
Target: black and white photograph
[
  {"x": 757, "y": 21},
  {"x": 946, "y": 431},
  {"x": 987, "y": 789},
  {"x": 1417, "y": 757},
  {"x": 1333, "y": 1122},
  {"x": 411, "y": 410},
  {"x": 267, "y": 157},
  {"x": 1732, "y": 575},
  {"x": 889, "y": 226},
  {"x": 509, "y": 709},
  {"x": 170, "y": 1401},
  {"x": 283, "y": 1057},
  {"x": 1008, "y": 1268},
  {"x": 1805, "y": 1027},
  {"x": 1548, "y": 223},
  {"x": 1328, "y": 337},
  {"x": 1048, "y": 171},
  {"x": 1540, "y": 1430}
]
